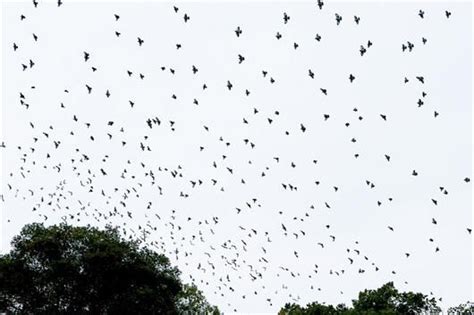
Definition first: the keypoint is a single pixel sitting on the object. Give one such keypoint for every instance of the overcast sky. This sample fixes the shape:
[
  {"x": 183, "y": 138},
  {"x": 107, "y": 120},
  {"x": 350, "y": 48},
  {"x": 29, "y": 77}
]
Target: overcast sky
[{"x": 437, "y": 148}]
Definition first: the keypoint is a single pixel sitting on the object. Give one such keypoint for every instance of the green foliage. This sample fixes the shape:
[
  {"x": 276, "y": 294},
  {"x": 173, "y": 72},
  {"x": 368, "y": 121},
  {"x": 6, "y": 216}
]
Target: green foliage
[
  {"x": 64, "y": 269},
  {"x": 385, "y": 300},
  {"x": 462, "y": 309},
  {"x": 313, "y": 308},
  {"x": 191, "y": 301}
]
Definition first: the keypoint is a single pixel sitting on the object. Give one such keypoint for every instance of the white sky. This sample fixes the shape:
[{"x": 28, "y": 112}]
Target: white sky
[{"x": 439, "y": 149}]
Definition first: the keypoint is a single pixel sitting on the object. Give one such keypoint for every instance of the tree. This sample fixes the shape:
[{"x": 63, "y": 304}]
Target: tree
[
  {"x": 384, "y": 300},
  {"x": 313, "y": 308},
  {"x": 64, "y": 269},
  {"x": 462, "y": 309},
  {"x": 191, "y": 301},
  {"x": 387, "y": 300}
]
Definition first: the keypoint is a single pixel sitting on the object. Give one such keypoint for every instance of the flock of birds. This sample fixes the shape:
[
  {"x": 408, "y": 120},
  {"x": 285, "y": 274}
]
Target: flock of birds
[{"x": 86, "y": 184}]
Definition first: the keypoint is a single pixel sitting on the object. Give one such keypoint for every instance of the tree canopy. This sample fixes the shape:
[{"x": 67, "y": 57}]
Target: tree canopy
[
  {"x": 63, "y": 269},
  {"x": 385, "y": 300},
  {"x": 462, "y": 309},
  {"x": 192, "y": 301}
]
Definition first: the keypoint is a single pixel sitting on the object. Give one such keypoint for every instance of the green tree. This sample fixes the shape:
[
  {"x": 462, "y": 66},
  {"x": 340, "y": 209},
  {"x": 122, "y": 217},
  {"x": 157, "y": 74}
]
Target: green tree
[
  {"x": 386, "y": 300},
  {"x": 191, "y": 301},
  {"x": 313, "y": 308},
  {"x": 462, "y": 309},
  {"x": 78, "y": 270}
]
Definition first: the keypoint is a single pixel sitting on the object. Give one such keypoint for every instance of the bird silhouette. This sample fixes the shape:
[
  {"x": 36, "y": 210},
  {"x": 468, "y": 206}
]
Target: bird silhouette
[{"x": 238, "y": 31}]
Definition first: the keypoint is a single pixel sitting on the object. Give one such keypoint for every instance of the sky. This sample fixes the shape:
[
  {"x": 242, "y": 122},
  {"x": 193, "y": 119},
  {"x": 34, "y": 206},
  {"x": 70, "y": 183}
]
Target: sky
[{"x": 226, "y": 234}]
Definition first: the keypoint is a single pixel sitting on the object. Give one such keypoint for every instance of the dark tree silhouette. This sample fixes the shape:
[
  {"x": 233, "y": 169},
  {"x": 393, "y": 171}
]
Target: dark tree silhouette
[
  {"x": 388, "y": 300},
  {"x": 462, "y": 309},
  {"x": 385, "y": 300},
  {"x": 313, "y": 308},
  {"x": 77, "y": 270}
]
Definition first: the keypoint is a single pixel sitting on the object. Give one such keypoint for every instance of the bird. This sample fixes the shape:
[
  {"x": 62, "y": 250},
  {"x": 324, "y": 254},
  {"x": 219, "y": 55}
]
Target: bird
[
  {"x": 238, "y": 31},
  {"x": 320, "y": 4}
]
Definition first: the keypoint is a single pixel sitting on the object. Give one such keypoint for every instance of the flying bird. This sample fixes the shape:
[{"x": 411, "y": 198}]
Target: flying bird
[{"x": 238, "y": 31}]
